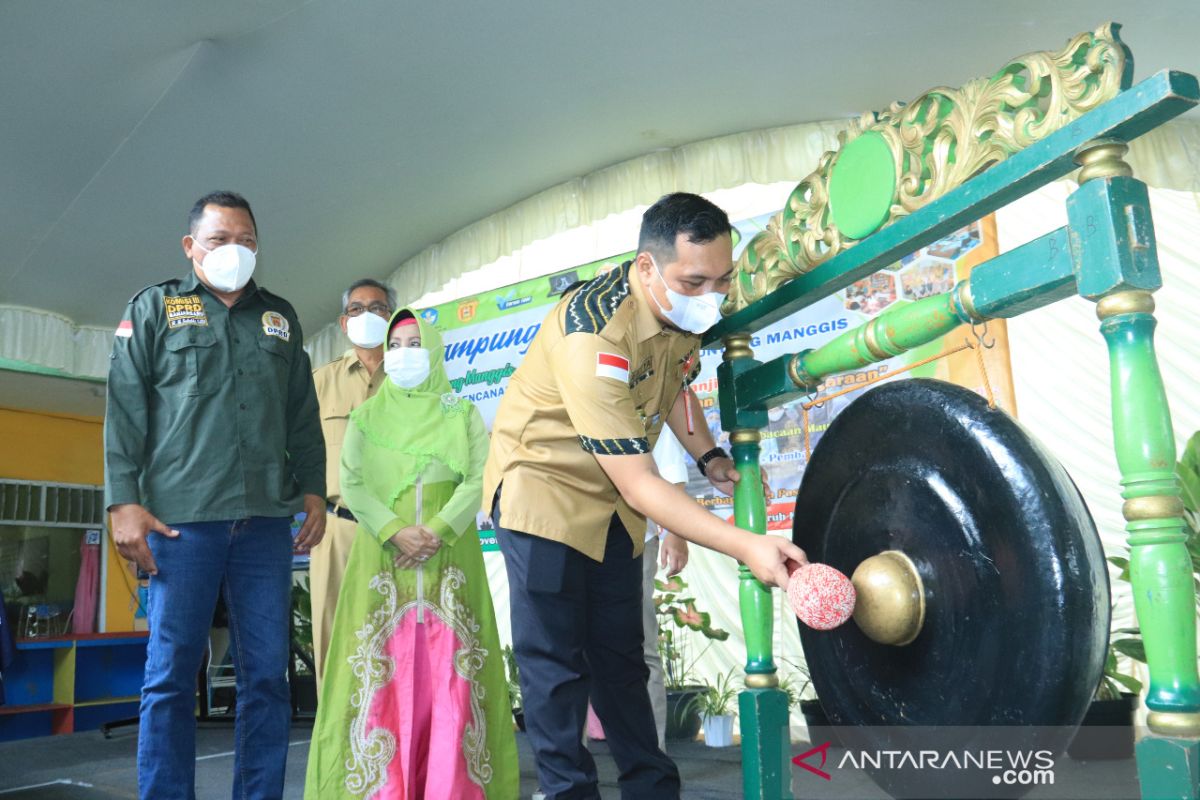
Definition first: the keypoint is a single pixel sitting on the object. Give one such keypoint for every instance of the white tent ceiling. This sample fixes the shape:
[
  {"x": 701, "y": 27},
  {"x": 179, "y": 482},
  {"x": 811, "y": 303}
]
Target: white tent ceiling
[{"x": 364, "y": 130}]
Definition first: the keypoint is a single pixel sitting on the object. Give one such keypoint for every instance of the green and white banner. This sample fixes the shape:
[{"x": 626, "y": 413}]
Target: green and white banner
[{"x": 487, "y": 335}]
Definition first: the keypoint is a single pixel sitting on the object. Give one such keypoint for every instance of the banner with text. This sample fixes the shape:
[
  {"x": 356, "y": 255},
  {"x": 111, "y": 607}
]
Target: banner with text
[{"x": 487, "y": 335}]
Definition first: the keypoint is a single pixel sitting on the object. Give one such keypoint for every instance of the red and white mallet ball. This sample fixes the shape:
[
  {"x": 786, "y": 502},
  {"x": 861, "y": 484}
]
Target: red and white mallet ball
[{"x": 822, "y": 597}]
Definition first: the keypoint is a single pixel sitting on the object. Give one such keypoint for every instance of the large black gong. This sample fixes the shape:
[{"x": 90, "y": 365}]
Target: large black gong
[{"x": 1016, "y": 595}]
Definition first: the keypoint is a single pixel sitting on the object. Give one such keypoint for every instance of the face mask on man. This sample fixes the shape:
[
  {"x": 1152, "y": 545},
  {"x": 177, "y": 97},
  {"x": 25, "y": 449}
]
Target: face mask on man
[
  {"x": 693, "y": 314},
  {"x": 367, "y": 329},
  {"x": 407, "y": 366},
  {"x": 228, "y": 267}
]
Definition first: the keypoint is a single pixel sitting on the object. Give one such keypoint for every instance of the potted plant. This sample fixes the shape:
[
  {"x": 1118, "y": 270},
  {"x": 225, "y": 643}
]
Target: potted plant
[
  {"x": 302, "y": 675},
  {"x": 514, "y": 687},
  {"x": 802, "y": 693},
  {"x": 1106, "y": 731},
  {"x": 1188, "y": 470},
  {"x": 678, "y": 622},
  {"x": 716, "y": 711}
]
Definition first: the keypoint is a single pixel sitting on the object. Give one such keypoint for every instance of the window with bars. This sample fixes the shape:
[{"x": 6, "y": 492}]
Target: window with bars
[{"x": 61, "y": 505}]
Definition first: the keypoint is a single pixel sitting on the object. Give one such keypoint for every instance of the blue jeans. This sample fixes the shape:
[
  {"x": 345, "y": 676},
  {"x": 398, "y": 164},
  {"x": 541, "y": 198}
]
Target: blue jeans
[{"x": 250, "y": 560}]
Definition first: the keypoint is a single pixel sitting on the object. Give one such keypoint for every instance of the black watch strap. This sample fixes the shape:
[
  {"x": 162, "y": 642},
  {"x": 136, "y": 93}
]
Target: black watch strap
[{"x": 702, "y": 461}]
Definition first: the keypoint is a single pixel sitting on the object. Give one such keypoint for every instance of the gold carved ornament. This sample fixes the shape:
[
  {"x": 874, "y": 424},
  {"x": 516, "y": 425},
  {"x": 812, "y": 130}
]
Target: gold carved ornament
[{"x": 938, "y": 142}]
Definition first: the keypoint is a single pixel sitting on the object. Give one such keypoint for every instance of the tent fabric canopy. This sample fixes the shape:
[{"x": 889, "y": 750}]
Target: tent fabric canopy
[{"x": 37, "y": 340}]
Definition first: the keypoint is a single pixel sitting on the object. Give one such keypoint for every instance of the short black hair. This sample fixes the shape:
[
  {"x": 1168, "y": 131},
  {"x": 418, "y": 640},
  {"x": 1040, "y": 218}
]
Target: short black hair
[
  {"x": 690, "y": 214},
  {"x": 223, "y": 199}
]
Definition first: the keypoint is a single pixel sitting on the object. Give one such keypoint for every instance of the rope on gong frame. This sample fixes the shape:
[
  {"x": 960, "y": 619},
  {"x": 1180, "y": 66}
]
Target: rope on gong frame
[{"x": 982, "y": 342}]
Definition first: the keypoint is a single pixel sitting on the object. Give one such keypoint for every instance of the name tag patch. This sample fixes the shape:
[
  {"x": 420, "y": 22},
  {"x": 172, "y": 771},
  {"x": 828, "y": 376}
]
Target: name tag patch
[
  {"x": 184, "y": 311},
  {"x": 610, "y": 365},
  {"x": 644, "y": 370},
  {"x": 276, "y": 324}
]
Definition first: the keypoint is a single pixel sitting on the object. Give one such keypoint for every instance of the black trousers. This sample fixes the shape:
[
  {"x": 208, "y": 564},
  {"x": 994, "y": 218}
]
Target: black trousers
[{"x": 577, "y": 631}]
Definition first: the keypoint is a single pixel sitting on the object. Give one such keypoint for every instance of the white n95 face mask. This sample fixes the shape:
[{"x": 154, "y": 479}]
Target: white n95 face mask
[
  {"x": 692, "y": 314},
  {"x": 367, "y": 329},
  {"x": 406, "y": 366},
  {"x": 228, "y": 267}
]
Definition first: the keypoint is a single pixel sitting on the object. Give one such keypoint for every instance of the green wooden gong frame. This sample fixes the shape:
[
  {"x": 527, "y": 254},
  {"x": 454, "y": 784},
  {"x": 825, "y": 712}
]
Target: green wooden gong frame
[{"x": 1106, "y": 253}]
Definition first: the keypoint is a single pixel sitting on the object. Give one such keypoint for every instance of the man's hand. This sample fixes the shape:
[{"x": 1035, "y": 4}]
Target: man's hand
[
  {"x": 767, "y": 558},
  {"x": 673, "y": 553},
  {"x": 313, "y": 529},
  {"x": 417, "y": 543},
  {"x": 722, "y": 474},
  {"x": 131, "y": 524}
]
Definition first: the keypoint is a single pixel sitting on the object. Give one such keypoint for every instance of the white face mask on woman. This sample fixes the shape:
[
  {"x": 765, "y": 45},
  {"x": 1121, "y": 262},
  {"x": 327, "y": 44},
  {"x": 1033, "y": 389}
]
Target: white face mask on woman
[
  {"x": 693, "y": 314},
  {"x": 367, "y": 329},
  {"x": 406, "y": 366},
  {"x": 228, "y": 267}
]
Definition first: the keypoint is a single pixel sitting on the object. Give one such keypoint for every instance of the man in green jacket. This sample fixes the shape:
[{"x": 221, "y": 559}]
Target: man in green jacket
[{"x": 212, "y": 443}]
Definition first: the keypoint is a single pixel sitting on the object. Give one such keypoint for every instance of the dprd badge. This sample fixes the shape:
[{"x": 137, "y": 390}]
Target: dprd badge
[
  {"x": 184, "y": 311},
  {"x": 276, "y": 324}
]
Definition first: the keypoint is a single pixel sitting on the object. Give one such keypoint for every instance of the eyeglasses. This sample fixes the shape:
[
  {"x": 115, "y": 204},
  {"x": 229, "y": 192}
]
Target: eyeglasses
[{"x": 378, "y": 309}]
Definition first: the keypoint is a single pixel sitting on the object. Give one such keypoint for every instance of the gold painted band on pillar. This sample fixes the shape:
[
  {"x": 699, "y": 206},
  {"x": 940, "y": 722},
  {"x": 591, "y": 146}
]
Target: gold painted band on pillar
[
  {"x": 1153, "y": 507},
  {"x": 1176, "y": 724},
  {"x": 1102, "y": 158},
  {"x": 890, "y": 607},
  {"x": 1134, "y": 301},
  {"x": 737, "y": 345},
  {"x": 871, "y": 339},
  {"x": 745, "y": 436},
  {"x": 966, "y": 301},
  {"x": 759, "y": 680},
  {"x": 799, "y": 377}
]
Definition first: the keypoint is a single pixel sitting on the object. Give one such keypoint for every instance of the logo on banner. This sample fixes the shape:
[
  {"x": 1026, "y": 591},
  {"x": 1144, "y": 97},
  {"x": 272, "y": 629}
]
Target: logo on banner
[
  {"x": 511, "y": 301},
  {"x": 466, "y": 311},
  {"x": 184, "y": 311},
  {"x": 430, "y": 315},
  {"x": 610, "y": 365},
  {"x": 276, "y": 324}
]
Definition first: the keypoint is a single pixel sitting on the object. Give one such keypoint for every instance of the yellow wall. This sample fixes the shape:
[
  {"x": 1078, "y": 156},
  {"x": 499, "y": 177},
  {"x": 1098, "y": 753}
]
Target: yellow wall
[
  {"x": 50, "y": 447},
  {"x": 58, "y": 448}
]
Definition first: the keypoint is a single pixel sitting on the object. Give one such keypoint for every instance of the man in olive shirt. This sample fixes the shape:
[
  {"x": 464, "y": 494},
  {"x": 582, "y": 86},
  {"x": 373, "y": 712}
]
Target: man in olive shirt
[
  {"x": 570, "y": 482},
  {"x": 212, "y": 443},
  {"x": 343, "y": 385}
]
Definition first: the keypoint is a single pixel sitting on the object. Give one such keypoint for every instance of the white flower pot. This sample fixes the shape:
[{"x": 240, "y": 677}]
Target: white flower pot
[{"x": 718, "y": 731}]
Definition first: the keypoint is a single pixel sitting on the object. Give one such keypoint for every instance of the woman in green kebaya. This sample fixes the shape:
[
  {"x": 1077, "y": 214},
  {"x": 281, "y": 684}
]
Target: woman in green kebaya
[{"x": 415, "y": 702}]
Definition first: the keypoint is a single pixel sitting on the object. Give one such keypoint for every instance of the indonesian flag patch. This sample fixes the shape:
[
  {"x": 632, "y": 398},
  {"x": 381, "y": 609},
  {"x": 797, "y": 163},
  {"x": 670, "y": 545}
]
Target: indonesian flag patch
[
  {"x": 610, "y": 365},
  {"x": 125, "y": 329}
]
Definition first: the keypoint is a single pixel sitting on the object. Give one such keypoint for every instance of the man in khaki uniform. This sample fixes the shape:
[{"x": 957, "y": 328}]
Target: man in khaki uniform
[
  {"x": 570, "y": 482},
  {"x": 343, "y": 385}
]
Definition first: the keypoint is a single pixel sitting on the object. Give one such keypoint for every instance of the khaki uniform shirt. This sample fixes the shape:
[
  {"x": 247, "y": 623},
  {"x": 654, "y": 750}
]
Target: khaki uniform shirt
[
  {"x": 211, "y": 411},
  {"x": 342, "y": 386},
  {"x": 601, "y": 377}
]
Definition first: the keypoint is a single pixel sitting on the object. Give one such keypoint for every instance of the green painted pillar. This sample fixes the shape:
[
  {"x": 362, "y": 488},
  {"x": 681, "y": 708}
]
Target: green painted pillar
[
  {"x": 766, "y": 743},
  {"x": 1160, "y": 566},
  {"x": 1116, "y": 261},
  {"x": 750, "y": 513},
  {"x": 893, "y": 332}
]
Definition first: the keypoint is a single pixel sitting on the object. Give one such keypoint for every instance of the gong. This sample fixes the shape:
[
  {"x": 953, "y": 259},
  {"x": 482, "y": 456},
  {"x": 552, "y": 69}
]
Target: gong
[{"x": 983, "y": 593}]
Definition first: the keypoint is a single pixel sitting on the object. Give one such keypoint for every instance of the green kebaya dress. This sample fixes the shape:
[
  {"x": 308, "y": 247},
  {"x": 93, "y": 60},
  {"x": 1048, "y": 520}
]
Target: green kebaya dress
[{"x": 415, "y": 702}]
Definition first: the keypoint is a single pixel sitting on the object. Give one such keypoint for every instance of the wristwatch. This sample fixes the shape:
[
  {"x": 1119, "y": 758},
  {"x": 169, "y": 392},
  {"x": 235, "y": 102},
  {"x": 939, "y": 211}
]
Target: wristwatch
[{"x": 702, "y": 461}]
